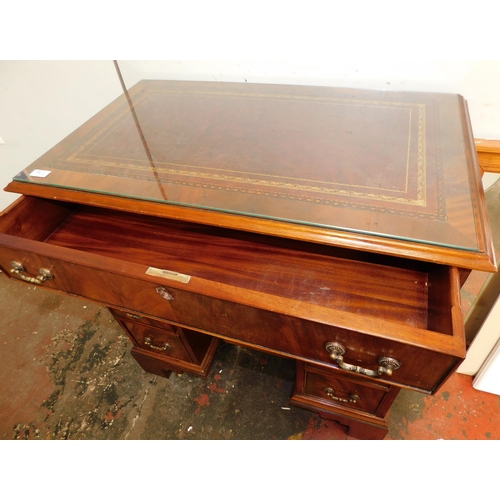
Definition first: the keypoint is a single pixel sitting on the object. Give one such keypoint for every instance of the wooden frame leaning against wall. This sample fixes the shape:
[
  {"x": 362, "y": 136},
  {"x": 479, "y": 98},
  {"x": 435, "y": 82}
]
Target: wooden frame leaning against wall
[{"x": 488, "y": 153}]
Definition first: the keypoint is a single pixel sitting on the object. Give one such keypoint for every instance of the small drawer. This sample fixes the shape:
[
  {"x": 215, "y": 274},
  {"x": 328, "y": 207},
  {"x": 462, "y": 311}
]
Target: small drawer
[
  {"x": 163, "y": 338},
  {"x": 344, "y": 390},
  {"x": 359, "y": 404},
  {"x": 161, "y": 341}
]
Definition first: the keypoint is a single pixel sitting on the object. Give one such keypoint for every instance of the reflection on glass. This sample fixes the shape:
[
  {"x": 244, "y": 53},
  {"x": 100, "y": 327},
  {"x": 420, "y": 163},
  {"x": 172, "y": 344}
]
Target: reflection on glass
[
  {"x": 139, "y": 130},
  {"x": 369, "y": 162}
]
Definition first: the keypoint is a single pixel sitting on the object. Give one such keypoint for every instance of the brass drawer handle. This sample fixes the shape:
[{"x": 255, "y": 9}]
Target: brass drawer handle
[
  {"x": 133, "y": 316},
  {"x": 353, "y": 398},
  {"x": 387, "y": 364},
  {"x": 165, "y": 347},
  {"x": 43, "y": 274}
]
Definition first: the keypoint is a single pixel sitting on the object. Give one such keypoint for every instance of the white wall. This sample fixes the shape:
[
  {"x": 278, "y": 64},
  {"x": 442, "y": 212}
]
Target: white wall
[
  {"x": 477, "y": 81},
  {"x": 41, "y": 102}
]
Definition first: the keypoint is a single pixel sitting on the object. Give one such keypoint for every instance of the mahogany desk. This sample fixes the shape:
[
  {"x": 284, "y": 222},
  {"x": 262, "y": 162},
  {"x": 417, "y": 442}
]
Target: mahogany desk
[{"x": 331, "y": 226}]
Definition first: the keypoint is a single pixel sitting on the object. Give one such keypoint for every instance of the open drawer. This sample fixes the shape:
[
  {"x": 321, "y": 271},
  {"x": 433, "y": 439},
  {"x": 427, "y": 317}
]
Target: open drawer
[{"x": 274, "y": 294}]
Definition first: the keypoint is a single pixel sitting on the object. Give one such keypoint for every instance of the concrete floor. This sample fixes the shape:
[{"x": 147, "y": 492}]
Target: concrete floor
[{"x": 67, "y": 373}]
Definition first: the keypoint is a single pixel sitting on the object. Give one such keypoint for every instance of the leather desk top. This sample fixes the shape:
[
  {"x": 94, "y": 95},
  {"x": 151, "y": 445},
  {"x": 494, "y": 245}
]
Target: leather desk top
[{"x": 376, "y": 170}]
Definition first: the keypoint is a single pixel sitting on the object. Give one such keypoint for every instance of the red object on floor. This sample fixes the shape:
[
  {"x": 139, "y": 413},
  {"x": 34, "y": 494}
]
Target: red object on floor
[{"x": 456, "y": 411}]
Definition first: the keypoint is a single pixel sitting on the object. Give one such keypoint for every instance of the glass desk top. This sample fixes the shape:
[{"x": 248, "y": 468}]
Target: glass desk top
[{"x": 381, "y": 164}]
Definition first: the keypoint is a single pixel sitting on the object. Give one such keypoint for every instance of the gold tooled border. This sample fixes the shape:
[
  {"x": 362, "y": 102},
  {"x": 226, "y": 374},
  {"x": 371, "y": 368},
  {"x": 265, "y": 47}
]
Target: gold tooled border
[{"x": 82, "y": 154}]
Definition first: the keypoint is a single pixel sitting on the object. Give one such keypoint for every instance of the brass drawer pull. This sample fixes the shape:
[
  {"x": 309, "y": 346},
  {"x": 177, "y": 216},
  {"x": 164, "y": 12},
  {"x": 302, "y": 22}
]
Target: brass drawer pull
[
  {"x": 164, "y": 293},
  {"x": 387, "y": 364},
  {"x": 165, "y": 347},
  {"x": 353, "y": 398},
  {"x": 133, "y": 316},
  {"x": 43, "y": 274}
]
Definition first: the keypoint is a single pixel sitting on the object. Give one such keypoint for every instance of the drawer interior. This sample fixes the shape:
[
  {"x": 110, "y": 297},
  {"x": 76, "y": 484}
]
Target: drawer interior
[{"x": 413, "y": 293}]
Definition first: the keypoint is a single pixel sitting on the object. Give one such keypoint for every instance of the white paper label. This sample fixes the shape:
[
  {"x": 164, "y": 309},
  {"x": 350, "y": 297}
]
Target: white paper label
[
  {"x": 40, "y": 173},
  {"x": 170, "y": 275}
]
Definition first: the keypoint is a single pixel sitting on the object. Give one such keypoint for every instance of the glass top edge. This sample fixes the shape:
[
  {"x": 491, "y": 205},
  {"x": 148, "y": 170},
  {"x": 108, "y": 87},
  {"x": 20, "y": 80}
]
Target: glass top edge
[{"x": 261, "y": 216}]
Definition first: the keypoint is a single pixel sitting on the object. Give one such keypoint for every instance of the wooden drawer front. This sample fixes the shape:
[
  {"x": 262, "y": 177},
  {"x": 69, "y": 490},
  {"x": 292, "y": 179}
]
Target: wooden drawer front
[
  {"x": 117, "y": 283},
  {"x": 344, "y": 390},
  {"x": 184, "y": 343},
  {"x": 124, "y": 316},
  {"x": 89, "y": 282},
  {"x": 421, "y": 368},
  {"x": 159, "y": 341}
]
